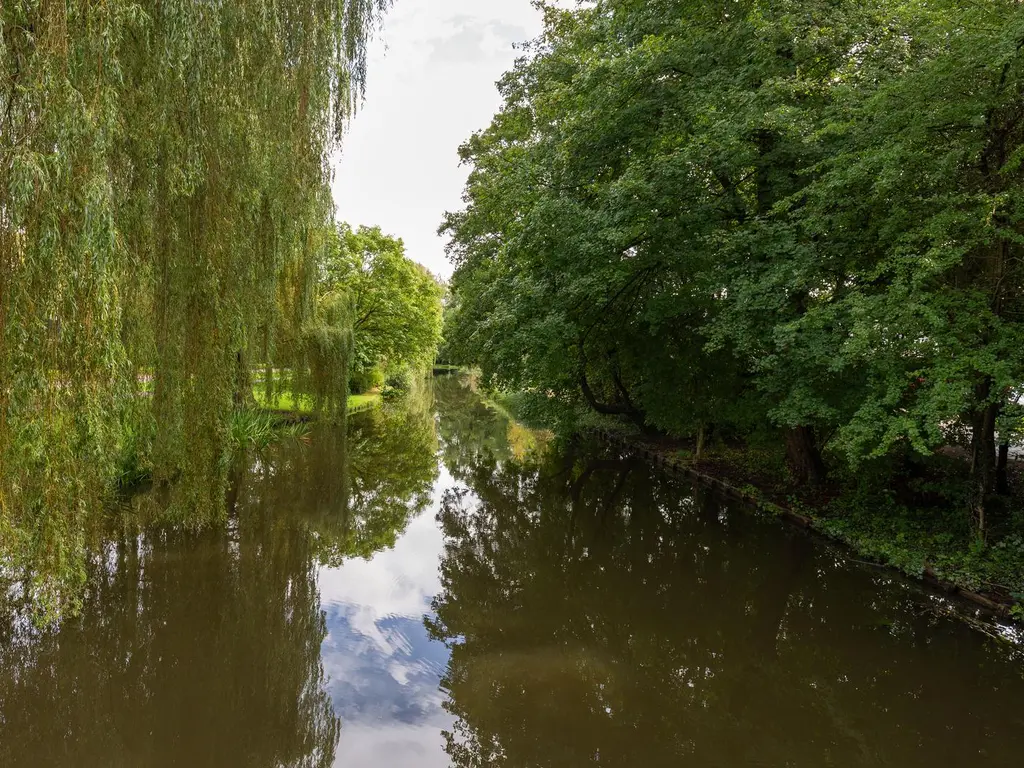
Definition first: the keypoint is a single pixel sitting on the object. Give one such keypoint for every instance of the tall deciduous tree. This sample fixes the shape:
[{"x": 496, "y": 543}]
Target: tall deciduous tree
[
  {"x": 800, "y": 216},
  {"x": 397, "y": 302}
]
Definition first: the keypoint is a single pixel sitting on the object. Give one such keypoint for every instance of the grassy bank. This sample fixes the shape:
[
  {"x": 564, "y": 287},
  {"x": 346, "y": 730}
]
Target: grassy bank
[
  {"x": 249, "y": 428},
  {"x": 303, "y": 405}
]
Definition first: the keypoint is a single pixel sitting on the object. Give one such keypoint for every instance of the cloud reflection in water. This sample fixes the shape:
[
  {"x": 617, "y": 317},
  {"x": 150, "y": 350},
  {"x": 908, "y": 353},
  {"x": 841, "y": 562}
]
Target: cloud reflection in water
[{"x": 383, "y": 670}]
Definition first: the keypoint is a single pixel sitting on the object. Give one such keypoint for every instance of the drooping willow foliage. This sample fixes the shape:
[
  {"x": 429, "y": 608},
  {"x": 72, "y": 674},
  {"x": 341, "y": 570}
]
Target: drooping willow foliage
[
  {"x": 163, "y": 183},
  {"x": 327, "y": 341}
]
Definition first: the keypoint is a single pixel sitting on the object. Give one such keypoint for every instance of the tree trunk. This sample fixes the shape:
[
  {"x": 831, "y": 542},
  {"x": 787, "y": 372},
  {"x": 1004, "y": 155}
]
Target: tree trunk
[
  {"x": 704, "y": 432},
  {"x": 243, "y": 397},
  {"x": 803, "y": 455},
  {"x": 983, "y": 458},
  {"x": 626, "y": 410},
  {"x": 1002, "y": 479}
]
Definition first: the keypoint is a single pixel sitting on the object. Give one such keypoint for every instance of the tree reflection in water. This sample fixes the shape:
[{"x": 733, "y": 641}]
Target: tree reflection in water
[
  {"x": 593, "y": 612},
  {"x": 201, "y": 645},
  {"x": 358, "y": 505},
  {"x": 192, "y": 648},
  {"x": 597, "y": 612}
]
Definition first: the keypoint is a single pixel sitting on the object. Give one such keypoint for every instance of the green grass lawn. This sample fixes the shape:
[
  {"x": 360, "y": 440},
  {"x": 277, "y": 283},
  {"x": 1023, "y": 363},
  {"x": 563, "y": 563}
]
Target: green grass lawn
[
  {"x": 358, "y": 402},
  {"x": 304, "y": 404}
]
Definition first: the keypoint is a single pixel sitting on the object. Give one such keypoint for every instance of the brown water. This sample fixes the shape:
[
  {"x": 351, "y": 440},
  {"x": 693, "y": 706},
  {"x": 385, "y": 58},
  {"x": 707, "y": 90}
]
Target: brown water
[{"x": 436, "y": 591}]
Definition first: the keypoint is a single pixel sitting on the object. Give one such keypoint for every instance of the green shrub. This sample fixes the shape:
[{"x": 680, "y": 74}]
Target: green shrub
[
  {"x": 258, "y": 429},
  {"x": 134, "y": 465},
  {"x": 365, "y": 379},
  {"x": 400, "y": 380}
]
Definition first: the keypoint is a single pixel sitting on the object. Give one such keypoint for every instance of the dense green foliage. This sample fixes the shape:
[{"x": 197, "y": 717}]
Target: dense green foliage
[
  {"x": 796, "y": 220},
  {"x": 163, "y": 197},
  {"x": 397, "y": 313}
]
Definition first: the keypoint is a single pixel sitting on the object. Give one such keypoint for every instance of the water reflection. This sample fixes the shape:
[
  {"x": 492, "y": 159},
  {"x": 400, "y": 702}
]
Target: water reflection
[
  {"x": 383, "y": 669},
  {"x": 212, "y": 647},
  {"x": 599, "y": 613},
  {"x": 470, "y": 432},
  {"x": 367, "y": 605},
  {"x": 161, "y": 667}
]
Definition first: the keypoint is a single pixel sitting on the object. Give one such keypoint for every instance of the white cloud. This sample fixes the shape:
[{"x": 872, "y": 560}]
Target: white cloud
[
  {"x": 394, "y": 746},
  {"x": 431, "y": 84},
  {"x": 383, "y": 671},
  {"x": 475, "y": 40},
  {"x": 397, "y": 582}
]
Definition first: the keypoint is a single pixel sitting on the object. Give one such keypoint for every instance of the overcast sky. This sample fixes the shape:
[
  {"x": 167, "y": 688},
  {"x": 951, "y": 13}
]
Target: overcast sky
[{"x": 431, "y": 84}]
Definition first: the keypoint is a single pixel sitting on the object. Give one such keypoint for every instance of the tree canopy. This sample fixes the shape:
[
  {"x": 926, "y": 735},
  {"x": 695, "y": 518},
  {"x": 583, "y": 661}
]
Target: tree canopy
[
  {"x": 397, "y": 302},
  {"x": 802, "y": 216}
]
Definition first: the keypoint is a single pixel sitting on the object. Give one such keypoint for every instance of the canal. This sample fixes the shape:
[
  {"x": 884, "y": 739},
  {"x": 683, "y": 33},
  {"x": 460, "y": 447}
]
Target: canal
[{"x": 443, "y": 587}]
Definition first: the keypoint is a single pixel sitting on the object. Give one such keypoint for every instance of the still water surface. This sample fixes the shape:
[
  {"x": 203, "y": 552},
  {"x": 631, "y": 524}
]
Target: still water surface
[{"x": 438, "y": 589}]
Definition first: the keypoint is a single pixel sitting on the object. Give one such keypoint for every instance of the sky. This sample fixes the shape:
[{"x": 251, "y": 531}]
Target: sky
[
  {"x": 383, "y": 670},
  {"x": 431, "y": 84}
]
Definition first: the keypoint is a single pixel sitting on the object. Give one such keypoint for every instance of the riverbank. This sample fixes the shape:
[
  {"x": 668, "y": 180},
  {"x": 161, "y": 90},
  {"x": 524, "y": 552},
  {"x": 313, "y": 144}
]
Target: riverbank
[
  {"x": 302, "y": 407},
  {"x": 929, "y": 543},
  {"x": 914, "y": 523}
]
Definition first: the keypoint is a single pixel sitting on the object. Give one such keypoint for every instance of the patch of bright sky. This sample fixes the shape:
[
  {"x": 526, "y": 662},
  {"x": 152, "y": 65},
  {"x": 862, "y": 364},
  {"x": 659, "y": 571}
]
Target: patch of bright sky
[
  {"x": 383, "y": 670},
  {"x": 431, "y": 84}
]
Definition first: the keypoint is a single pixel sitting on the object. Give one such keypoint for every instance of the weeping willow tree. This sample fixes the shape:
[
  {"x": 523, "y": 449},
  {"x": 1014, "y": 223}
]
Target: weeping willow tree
[
  {"x": 327, "y": 344},
  {"x": 163, "y": 177}
]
